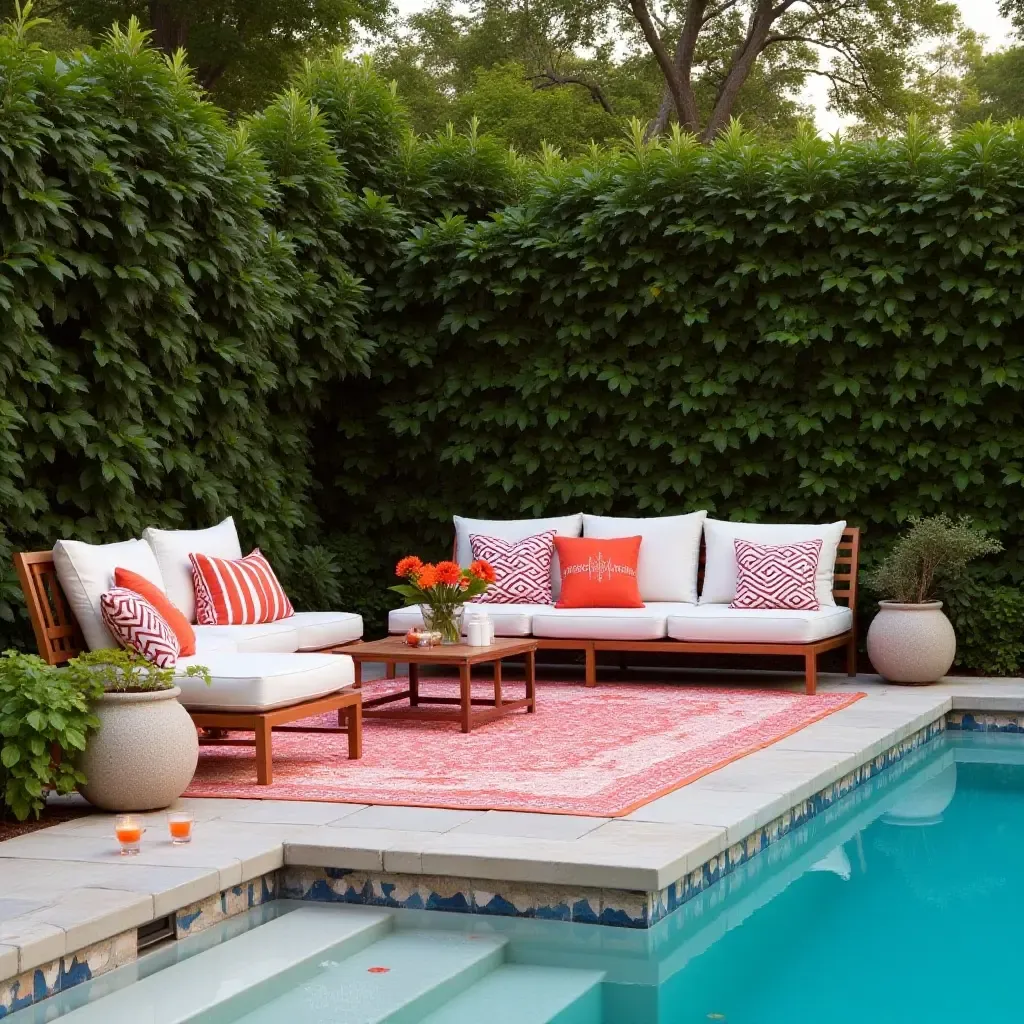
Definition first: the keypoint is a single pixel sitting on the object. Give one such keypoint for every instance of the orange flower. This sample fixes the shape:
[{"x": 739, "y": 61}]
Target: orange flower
[
  {"x": 449, "y": 573},
  {"x": 483, "y": 570},
  {"x": 426, "y": 576},
  {"x": 408, "y": 566}
]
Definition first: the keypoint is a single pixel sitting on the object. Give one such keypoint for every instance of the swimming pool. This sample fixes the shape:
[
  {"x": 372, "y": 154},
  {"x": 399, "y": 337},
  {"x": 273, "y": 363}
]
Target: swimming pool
[{"x": 898, "y": 904}]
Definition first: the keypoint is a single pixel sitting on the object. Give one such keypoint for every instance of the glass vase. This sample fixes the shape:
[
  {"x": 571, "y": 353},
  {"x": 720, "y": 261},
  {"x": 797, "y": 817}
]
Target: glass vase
[{"x": 446, "y": 621}]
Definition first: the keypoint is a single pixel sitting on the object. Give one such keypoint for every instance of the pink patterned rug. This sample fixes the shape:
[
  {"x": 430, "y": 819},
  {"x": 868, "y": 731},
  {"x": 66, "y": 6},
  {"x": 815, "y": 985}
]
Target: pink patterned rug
[{"x": 604, "y": 751}]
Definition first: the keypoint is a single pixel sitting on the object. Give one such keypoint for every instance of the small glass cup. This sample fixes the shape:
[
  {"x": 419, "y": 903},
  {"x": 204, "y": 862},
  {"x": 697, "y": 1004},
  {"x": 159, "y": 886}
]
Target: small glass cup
[
  {"x": 179, "y": 824},
  {"x": 128, "y": 830}
]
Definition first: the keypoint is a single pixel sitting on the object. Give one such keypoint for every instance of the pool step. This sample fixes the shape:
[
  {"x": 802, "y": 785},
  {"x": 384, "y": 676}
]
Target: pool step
[
  {"x": 527, "y": 994},
  {"x": 208, "y": 980},
  {"x": 398, "y": 980}
]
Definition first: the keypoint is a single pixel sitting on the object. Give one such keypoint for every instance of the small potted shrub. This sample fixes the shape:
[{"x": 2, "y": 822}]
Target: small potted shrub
[
  {"x": 910, "y": 640},
  {"x": 144, "y": 752}
]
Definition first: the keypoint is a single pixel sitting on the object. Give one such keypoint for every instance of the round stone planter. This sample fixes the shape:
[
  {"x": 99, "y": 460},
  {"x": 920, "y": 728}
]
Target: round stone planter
[
  {"x": 911, "y": 643},
  {"x": 144, "y": 753}
]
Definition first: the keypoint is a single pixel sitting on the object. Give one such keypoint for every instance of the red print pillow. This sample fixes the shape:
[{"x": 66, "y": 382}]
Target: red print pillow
[
  {"x": 522, "y": 568},
  {"x": 599, "y": 572},
  {"x": 777, "y": 575},
  {"x": 237, "y": 591}
]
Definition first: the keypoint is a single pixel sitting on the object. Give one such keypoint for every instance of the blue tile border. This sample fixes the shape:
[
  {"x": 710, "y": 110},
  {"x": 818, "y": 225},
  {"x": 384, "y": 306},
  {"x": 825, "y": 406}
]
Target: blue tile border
[{"x": 983, "y": 721}]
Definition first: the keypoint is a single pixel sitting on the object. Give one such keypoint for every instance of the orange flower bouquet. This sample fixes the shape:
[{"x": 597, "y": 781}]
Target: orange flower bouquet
[{"x": 442, "y": 590}]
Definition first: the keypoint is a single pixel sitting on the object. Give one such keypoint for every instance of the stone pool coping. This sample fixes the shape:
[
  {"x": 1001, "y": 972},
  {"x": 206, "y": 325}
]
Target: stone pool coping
[{"x": 69, "y": 906}]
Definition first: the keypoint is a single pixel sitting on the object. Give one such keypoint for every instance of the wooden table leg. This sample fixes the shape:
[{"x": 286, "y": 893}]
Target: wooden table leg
[
  {"x": 354, "y": 714},
  {"x": 497, "y": 683},
  {"x": 264, "y": 754},
  {"x": 531, "y": 681},
  {"x": 414, "y": 686},
  {"x": 389, "y": 670},
  {"x": 357, "y": 684},
  {"x": 465, "y": 696}
]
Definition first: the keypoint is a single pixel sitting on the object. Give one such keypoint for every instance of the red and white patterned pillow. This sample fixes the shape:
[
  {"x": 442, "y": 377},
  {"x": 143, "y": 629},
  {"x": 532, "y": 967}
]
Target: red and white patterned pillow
[
  {"x": 237, "y": 591},
  {"x": 522, "y": 568},
  {"x": 137, "y": 625},
  {"x": 777, "y": 575}
]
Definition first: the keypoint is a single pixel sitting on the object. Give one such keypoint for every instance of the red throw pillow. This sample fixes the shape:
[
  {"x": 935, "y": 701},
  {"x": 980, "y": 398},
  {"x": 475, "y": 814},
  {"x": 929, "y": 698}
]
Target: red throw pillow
[
  {"x": 522, "y": 568},
  {"x": 599, "y": 572},
  {"x": 137, "y": 625},
  {"x": 171, "y": 614},
  {"x": 777, "y": 575},
  {"x": 237, "y": 591}
]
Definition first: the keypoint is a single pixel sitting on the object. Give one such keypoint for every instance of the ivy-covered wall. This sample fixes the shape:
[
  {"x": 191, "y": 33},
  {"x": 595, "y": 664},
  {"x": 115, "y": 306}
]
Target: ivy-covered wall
[{"x": 190, "y": 309}]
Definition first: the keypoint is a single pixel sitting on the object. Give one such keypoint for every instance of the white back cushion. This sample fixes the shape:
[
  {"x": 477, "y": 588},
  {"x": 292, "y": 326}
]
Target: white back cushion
[
  {"x": 720, "y": 555},
  {"x": 669, "y": 552},
  {"x": 86, "y": 573},
  {"x": 172, "y": 548},
  {"x": 513, "y": 530}
]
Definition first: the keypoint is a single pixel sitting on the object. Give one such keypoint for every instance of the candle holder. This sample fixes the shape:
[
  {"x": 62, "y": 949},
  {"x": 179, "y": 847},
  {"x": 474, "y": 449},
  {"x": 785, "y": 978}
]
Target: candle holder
[
  {"x": 179, "y": 824},
  {"x": 128, "y": 830}
]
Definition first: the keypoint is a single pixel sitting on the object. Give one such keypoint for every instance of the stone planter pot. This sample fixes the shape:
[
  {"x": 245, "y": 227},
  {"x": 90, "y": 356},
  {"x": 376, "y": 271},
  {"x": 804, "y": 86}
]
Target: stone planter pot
[
  {"x": 911, "y": 643},
  {"x": 143, "y": 755}
]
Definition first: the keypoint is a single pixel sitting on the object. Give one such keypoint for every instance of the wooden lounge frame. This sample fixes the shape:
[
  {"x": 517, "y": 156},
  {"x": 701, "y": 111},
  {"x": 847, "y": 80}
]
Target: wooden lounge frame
[{"x": 59, "y": 639}]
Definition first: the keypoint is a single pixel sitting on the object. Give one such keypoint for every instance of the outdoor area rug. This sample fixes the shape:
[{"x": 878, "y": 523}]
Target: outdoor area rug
[{"x": 602, "y": 751}]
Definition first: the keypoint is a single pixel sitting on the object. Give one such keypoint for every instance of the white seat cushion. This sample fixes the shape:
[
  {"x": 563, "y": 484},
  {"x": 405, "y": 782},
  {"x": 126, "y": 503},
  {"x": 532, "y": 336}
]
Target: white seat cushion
[
  {"x": 722, "y": 624},
  {"x": 261, "y": 682},
  {"x": 513, "y": 530},
  {"x": 86, "y": 573},
  {"x": 720, "y": 554},
  {"x": 669, "y": 552},
  {"x": 508, "y": 619},
  {"x": 648, "y": 623},
  {"x": 324, "y": 629},
  {"x": 278, "y": 637},
  {"x": 172, "y": 548}
]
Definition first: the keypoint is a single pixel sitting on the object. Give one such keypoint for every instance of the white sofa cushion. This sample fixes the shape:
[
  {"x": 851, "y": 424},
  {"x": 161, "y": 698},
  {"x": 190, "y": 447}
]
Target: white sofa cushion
[
  {"x": 261, "y": 682},
  {"x": 86, "y": 573},
  {"x": 718, "y": 623},
  {"x": 508, "y": 619},
  {"x": 669, "y": 552},
  {"x": 323, "y": 629},
  {"x": 278, "y": 637},
  {"x": 720, "y": 554},
  {"x": 513, "y": 530},
  {"x": 647, "y": 623},
  {"x": 172, "y": 548}
]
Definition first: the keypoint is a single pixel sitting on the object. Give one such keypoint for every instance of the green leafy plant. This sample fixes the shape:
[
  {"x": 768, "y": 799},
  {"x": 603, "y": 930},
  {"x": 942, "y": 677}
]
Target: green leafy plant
[
  {"x": 934, "y": 550},
  {"x": 118, "y": 670},
  {"x": 45, "y": 719},
  {"x": 989, "y": 623}
]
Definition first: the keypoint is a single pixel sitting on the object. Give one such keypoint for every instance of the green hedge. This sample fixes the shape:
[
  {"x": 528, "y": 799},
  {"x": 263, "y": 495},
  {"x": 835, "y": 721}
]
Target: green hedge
[{"x": 802, "y": 332}]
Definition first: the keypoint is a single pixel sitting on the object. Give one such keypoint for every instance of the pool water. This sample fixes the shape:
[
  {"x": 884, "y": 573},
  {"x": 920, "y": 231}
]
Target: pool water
[{"x": 901, "y": 903}]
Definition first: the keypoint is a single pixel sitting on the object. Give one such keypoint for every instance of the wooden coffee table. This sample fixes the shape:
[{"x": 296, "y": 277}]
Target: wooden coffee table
[{"x": 464, "y": 658}]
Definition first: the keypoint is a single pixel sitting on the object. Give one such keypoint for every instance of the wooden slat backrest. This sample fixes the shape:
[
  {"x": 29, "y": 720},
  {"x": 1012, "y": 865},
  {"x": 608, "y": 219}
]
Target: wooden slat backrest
[{"x": 58, "y": 635}]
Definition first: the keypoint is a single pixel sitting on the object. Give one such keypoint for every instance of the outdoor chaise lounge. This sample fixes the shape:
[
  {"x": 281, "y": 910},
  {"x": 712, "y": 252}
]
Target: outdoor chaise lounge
[
  {"x": 674, "y": 564},
  {"x": 263, "y": 676}
]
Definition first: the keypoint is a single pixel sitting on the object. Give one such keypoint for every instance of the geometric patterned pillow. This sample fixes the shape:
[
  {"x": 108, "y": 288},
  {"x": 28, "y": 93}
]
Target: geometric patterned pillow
[
  {"x": 137, "y": 625},
  {"x": 777, "y": 575},
  {"x": 522, "y": 568}
]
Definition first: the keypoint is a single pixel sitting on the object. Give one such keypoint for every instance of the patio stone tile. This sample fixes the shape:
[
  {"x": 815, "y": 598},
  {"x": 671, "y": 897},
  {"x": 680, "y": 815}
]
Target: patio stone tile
[
  {"x": 90, "y": 915},
  {"x": 289, "y": 812},
  {"x": 37, "y": 943},
  {"x": 530, "y": 826},
  {"x": 170, "y": 887},
  {"x": 12, "y": 907},
  {"x": 738, "y": 811},
  {"x": 8, "y": 962},
  {"x": 360, "y": 849},
  {"x": 406, "y": 819},
  {"x": 865, "y": 740}
]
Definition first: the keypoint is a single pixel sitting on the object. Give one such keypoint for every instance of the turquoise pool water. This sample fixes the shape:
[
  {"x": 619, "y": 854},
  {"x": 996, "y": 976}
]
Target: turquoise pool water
[{"x": 900, "y": 904}]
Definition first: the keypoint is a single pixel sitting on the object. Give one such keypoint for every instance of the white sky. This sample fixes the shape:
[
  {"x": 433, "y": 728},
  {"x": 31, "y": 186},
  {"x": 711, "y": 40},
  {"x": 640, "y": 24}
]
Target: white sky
[{"x": 981, "y": 15}]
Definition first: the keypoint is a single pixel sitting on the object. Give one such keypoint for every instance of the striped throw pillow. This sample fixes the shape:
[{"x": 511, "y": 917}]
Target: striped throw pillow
[
  {"x": 237, "y": 591},
  {"x": 137, "y": 625}
]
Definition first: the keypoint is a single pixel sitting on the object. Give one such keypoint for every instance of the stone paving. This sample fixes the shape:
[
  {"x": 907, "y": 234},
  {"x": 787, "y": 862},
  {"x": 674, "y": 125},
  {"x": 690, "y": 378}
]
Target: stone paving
[{"x": 65, "y": 888}]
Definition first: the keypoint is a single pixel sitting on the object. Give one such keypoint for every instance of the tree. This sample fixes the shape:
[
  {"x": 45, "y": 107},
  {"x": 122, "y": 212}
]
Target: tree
[
  {"x": 708, "y": 50},
  {"x": 242, "y": 51}
]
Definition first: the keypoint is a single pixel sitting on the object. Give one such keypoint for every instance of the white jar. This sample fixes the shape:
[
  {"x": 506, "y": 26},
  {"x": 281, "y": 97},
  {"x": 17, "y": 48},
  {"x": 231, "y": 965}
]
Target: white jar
[
  {"x": 488, "y": 627},
  {"x": 476, "y": 632}
]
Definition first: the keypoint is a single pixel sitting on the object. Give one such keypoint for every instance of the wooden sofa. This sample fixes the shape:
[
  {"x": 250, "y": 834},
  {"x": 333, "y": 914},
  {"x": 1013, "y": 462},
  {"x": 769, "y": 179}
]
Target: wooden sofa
[
  {"x": 59, "y": 638},
  {"x": 844, "y": 591}
]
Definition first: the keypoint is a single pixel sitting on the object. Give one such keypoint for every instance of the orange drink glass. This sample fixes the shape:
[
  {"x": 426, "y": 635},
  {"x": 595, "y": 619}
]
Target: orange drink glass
[
  {"x": 179, "y": 824},
  {"x": 128, "y": 830}
]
